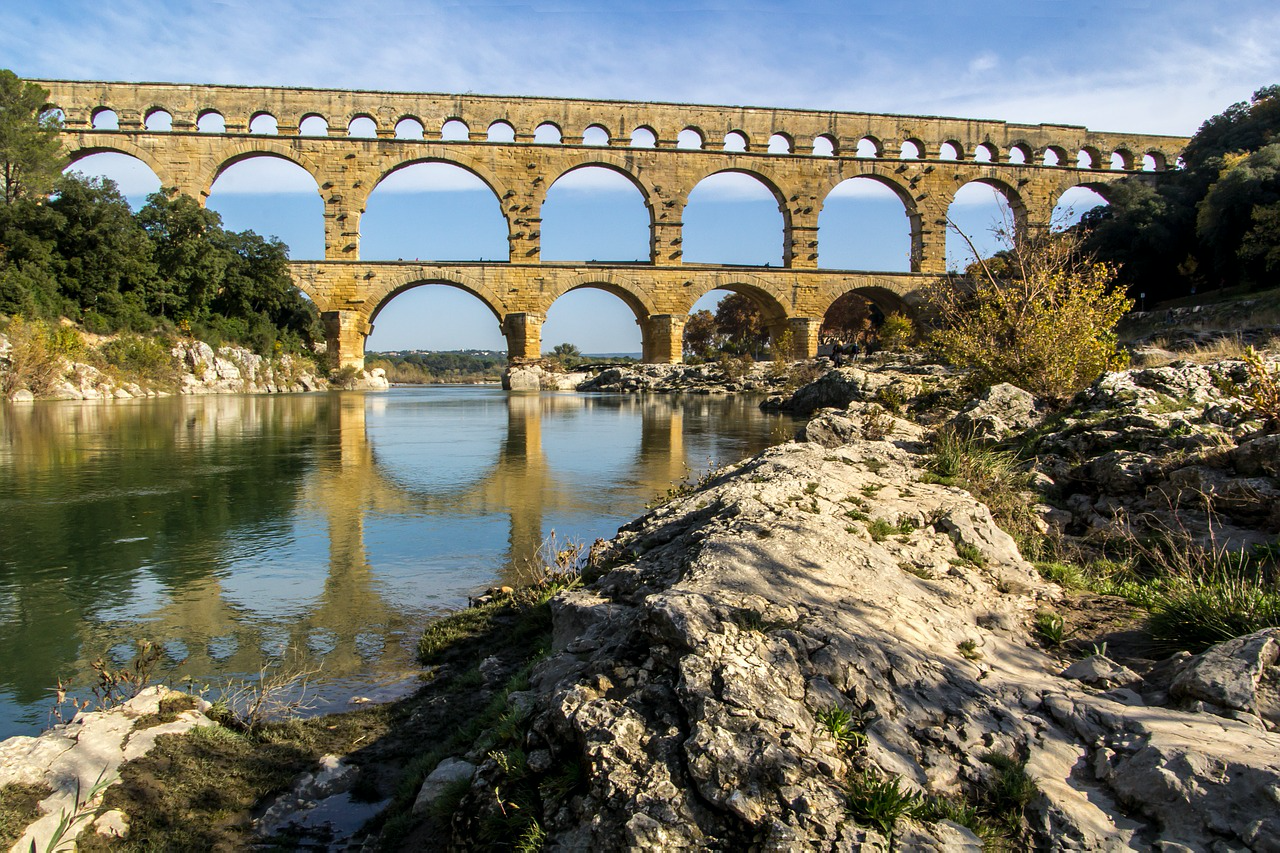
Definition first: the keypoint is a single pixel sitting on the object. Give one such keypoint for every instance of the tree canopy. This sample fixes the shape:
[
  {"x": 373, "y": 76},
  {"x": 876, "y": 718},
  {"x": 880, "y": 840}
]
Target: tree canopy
[
  {"x": 1213, "y": 223},
  {"x": 30, "y": 153}
]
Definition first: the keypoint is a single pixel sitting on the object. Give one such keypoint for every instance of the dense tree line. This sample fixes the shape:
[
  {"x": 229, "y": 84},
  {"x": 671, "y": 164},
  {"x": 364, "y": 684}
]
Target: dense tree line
[
  {"x": 1213, "y": 223},
  {"x": 72, "y": 247}
]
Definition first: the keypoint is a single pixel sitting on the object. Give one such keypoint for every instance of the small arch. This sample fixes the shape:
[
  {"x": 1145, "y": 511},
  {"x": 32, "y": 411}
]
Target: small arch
[
  {"x": 409, "y": 127},
  {"x": 868, "y": 146},
  {"x": 313, "y": 125},
  {"x": 735, "y": 140},
  {"x": 455, "y": 130},
  {"x": 780, "y": 143},
  {"x": 1153, "y": 161},
  {"x": 104, "y": 118},
  {"x": 644, "y": 137},
  {"x": 547, "y": 134},
  {"x": 769, "y": 305},
  {"x": 501, "y": 131},
  {"x": 1054, "y": 156},
  {"x": 912, "y": 149},
  {"x": 949, "y": 150},
  {"x": 690, "y": 139},
  {"x": 1122, "y": 159},
  {"x": 362, "y": 127},
  {"x": 824, "y": 146},
  {"x": 595, "y": 135},
  {"x": 1089, "y": 158},
  {"x": 985, "y": 153},
  {"x": 158, "y": 121},
  {"x": 263, "y": 124},
  {"x": 1019, "y": 154},
  {"x": 211, "y": 121}
]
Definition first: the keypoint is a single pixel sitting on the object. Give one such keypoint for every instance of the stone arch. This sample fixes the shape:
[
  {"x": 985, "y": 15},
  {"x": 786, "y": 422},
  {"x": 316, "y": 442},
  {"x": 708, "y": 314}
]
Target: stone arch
[
  {"x": 476, "y": 168},
  {"x": 260, "y": 146},
  {"x": 1020, "y": 153},
  {"x": 155, "y": 111},
  {"x": 553, "y": 126},
  {"x": 313, "y": 117},
  {"x": 781, "y": 140},
  {"x": 950, "y": 149},
  {"x": 885, "y": 297},
  {"x": 205, "y": 113},
  {"x": 635, "y": 295},
  {"x": 1057, "y": 153},
  {"x": 264, "y": 118},
  {"x": 1012, "y": 197},
  {"x": 1093, "y": 155},
  {"x": 643, "y": 136},
  {"x": 1158, "y": 159},
  {"x": 772, "y": 299},
  {"x": 128, "y": 148},
  {"x": 613, "y": 162},
  {"x": 104, "y": 113},
  {"x": 908, "y": 144},
  {"x": 869, "y": 147},
  {"x": 388, "y": 290},
  {"x": 904, "y": 195},
  {"x": 703, "y": 226},
  {"x": 1102, "y": 188}
]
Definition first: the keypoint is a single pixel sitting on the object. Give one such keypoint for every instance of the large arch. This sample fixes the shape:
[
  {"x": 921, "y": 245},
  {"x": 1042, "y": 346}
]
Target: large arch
[
  {"x": 259, "y": 146},
  {"x": 634, "y": 294},
  {"x": 990, "y": 213},
  {"x": 274, "y": 196},
  {"x": 427, "y": 209},
  {"x": 871, "y": 202},
  {"x": 122, "y": 146},
  {"x": 470, "y": 326},
  {"x": 134, "y": 179},
  {"x": 742, "y": 231},
  {"x": 600, "y": 212},
  {"x": 579, "y": 316}
]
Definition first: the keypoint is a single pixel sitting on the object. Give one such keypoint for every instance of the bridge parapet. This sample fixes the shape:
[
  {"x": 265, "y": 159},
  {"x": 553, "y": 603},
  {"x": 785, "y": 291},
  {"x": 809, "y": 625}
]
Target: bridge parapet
[{"x": 889, "y": 134}]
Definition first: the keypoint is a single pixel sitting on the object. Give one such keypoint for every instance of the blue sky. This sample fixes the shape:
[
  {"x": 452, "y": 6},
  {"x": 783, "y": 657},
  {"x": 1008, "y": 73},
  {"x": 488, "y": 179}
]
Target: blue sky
[{"x": 1120, "y": 65}]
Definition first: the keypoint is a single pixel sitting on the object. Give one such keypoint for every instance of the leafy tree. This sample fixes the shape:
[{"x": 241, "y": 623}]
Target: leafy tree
[
  {"x": 30, "y": 152},
  {"x": 1225, "y": 216},
  {"x": 191, "y": 265},
  {"x": 1046, "y": 324},
  {"x": 740, "y": 322},
  {"x": 848, "y": 318},
  {"x": 700, "y": 333},
  {"x": 897, "y": 332},
  {"x": 105, "y": 263},
  {"x": 1197, "y": 226}
]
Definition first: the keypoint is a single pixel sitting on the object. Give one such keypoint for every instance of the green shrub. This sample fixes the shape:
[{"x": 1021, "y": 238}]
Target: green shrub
[
  {"x": 147, "y": 361},
  {"x": 880, "y": 802},
  {"x": 1041, "y": 317},
  {"x": 1194, "y": 612},
  {"x": 897, "y": 332},
  {"x": 35, "y": 356}
]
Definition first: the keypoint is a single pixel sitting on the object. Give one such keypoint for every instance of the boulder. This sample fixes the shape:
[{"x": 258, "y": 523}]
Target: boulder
[
  {"x": 997, "y": 412},
  {"x": 1228, "y": 674},
  {"x": 447, "y": 772}
]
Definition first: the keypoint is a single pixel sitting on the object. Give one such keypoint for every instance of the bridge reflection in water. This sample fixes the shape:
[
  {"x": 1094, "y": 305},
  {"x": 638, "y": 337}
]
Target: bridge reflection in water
[{"x": 202, "y": 524}]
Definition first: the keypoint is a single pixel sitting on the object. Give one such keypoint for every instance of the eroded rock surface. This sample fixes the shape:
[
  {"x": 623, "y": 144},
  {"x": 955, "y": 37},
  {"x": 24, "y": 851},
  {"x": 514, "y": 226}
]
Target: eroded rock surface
[{"x": 688, "y": 681}]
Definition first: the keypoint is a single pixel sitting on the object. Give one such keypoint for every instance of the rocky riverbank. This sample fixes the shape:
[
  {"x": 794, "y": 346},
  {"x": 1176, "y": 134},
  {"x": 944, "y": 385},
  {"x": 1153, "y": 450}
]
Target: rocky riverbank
[
  {"x": 832, "y": 646},
  {"x": 188, "y": 367},
  {"x": 712, "y": 378}
]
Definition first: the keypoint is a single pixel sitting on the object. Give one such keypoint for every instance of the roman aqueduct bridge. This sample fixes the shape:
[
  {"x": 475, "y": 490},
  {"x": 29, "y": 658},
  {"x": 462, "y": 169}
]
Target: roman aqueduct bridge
[{"x": 800, "y": 155}]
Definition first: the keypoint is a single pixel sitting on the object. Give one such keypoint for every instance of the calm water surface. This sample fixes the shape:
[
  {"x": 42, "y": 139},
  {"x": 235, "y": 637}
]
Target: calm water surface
[{"x": 322, "y": 529}]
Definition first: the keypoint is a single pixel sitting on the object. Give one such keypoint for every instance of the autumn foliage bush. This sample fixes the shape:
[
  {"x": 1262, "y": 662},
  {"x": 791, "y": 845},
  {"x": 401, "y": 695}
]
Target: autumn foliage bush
[{"x": 1041, "y": 316}]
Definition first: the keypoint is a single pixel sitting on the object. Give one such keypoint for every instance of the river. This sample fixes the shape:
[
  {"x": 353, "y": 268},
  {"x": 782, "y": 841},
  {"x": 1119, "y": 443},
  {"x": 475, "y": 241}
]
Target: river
[{"x": 315, "y": 532}]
